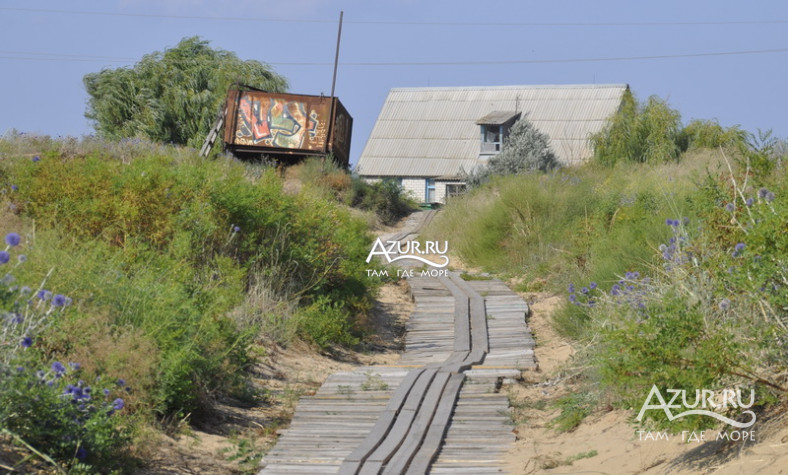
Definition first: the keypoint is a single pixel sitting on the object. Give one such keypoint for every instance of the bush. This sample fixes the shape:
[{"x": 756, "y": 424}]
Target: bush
[
  {"x": 68, "y": 419},
  {"x": 649, "y": 132},
  {"x": 161, "y": 247},
  {"x": 385, "y": 198},
  {"x": 712, "y": 316},
  {"x": 526, "y": 149},
  {"x": 51, "y": 409}
]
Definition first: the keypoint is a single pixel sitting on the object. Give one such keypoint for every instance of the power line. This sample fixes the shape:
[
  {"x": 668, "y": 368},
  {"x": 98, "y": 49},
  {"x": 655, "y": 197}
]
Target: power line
[
  {"x": 414, "y": 23},
  {"x": 40, "y": 56}
]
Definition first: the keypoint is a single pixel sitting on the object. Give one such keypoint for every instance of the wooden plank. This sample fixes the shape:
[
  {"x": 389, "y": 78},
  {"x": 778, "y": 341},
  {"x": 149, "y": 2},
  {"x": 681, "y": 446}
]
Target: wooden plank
[
  {"x": 401, "y": 458},
  {"x": 437, "y": 431}
]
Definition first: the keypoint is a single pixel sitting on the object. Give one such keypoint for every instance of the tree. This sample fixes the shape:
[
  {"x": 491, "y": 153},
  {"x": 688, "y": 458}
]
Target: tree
[
  {"x": 526, "y": 149},
  {"x": 171, "y": 96}
]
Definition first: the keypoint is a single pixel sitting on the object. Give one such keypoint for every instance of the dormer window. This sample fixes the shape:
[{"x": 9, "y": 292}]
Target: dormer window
[{"x": 495, "y": 129}]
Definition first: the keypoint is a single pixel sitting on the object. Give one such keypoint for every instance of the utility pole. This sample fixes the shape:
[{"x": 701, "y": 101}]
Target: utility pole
[{"x": 336, "y": 58}]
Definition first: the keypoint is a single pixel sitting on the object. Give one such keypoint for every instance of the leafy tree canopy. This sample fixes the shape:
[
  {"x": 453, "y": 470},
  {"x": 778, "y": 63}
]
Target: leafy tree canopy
[{"x": 171, "y": 96}]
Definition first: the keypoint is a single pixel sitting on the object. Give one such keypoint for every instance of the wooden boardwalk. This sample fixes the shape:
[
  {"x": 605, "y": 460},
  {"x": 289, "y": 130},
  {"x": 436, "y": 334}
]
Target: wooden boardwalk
[{"x": 439, "y": 411}]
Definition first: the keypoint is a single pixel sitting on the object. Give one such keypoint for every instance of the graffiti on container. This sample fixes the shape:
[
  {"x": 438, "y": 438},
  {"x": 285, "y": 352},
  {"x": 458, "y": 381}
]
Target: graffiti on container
[{"x": 270, "y": 122}]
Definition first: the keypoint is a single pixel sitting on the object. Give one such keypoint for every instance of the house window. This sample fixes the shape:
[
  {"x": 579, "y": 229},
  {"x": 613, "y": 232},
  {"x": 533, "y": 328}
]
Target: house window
[
  {"x": 492, "y": 137},
  {"x": 495, "y": 128},
  {"x": 429, "y": 190}
]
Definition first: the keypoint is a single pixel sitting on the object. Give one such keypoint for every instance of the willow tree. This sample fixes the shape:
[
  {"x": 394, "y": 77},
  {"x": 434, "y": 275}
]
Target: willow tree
[{"x": 171, "y": 96}]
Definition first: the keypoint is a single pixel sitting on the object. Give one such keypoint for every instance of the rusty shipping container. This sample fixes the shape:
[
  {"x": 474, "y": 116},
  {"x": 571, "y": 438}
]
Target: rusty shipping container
[{"x": 279, "y": 125}]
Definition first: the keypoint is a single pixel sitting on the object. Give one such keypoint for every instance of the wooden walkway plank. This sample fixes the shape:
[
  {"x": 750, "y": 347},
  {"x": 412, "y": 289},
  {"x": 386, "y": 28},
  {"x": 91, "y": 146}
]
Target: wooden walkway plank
[{"x": 443, "y": 416}]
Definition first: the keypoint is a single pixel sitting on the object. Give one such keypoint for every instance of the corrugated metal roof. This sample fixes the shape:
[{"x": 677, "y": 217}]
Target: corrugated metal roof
[{"x": 433, "y": 132}]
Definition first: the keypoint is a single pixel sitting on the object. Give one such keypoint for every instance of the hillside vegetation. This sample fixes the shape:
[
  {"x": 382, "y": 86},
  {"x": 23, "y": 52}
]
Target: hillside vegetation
[
  {"x": 673, "y": 265},
  {"x": 141, "y": 282}
]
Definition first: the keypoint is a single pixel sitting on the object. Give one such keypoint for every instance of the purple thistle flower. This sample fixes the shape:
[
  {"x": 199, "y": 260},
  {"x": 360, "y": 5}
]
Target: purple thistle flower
[
  {"x": 584, "y": 290},
  {"x": 572, "y": 298},
  {"x": 738, "y": 249},
  {"x": 14, "y": 188},
  {"x": 121, "y": 382},
  {"x": 118, "y": 404},
  {"x": 106, "y": 392},
  {"x": 75, "y": 366},
  {"x": 769, "y": 197},
  {"x": 750, "y": 201},
  {"x": 236, "y": 229},
  {"x": 571, "y": 288},
  {"x": 36, "y": 159},
  {"x": 22, "y": 258},
  {"x": 12, "y": 239},
  {"x": 730, "y": 207},
  {"x": 58, "y": 368},
  {"x": 27, "y": 342},
  {"x": 59, "y": 300},
  {"x": 762, "y": 193},
  {"x": 44, "y": 294},
  {"x": 592, "y": 285},
  {"x": 4, "y": 257},
  {"x": 724, "y": 305}
]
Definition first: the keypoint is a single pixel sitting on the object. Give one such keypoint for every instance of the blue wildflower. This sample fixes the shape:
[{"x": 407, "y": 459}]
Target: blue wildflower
[
  {"x": 730, "y": 207},
  {"x": 572, "y": 298},
  {"x": 121, "y": 382},
  {"x": 571, "y": 288},
  {"x": 59, "y": 300},
  {"x": 81, "y": 454},
  {"x": 592, "y": 285},
  {"x": 769, "y": 197},
  {"x": 118, "y": 404},
  {"x": 4, "y": 257},
  {"x": 14, "y": 188},
  {"x": 36, "y": 159},
  {"x": 762, "y": 193},
  {"x": 27, "y": 342},
  {"x": 75, "y": 366},
  {"x": 584, "y": 290},
  {"x": 236, "y": 229},
  {"x": 58, "y": 368},
  {"x": 12, "y": 239},
  {"x": 22, "y": 258},
  {"x": 750, "y": 201},
  {"x": 738, "y": 249},
  {"x": 106, "y": 392},
  {"x": 44, "y": 294},
  {"x": 724, "y": 305}
]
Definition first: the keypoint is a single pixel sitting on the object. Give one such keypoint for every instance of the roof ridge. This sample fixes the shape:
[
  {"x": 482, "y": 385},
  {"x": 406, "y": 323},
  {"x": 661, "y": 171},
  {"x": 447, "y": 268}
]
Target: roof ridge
[{"x": 522, "y": 86}]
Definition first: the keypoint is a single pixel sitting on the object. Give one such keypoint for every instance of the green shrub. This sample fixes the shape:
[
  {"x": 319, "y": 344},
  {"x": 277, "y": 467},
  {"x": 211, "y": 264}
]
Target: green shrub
[
  {"x": 326, "y": 323},
  {"x": 649, "y": 132},
  {"x": 68, "y": 419},
  {"x": 710, "y": 134},
  {"x": 385, "y": 198},
  {"x": 711, "y": 317},
  {"x": 163, "y": 245}
]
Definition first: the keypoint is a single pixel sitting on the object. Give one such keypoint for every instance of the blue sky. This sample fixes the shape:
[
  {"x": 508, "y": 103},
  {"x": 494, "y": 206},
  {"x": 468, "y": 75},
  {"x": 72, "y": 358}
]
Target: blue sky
[{"x": 661, "y": 48}]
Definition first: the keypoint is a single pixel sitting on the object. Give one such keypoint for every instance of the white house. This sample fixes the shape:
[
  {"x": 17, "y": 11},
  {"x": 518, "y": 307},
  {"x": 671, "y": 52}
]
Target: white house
[{"x": 428, "y": 138}]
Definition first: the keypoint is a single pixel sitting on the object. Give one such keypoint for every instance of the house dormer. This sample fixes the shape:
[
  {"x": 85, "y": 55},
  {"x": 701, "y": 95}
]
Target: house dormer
[{"x": 495, "y": 130}]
